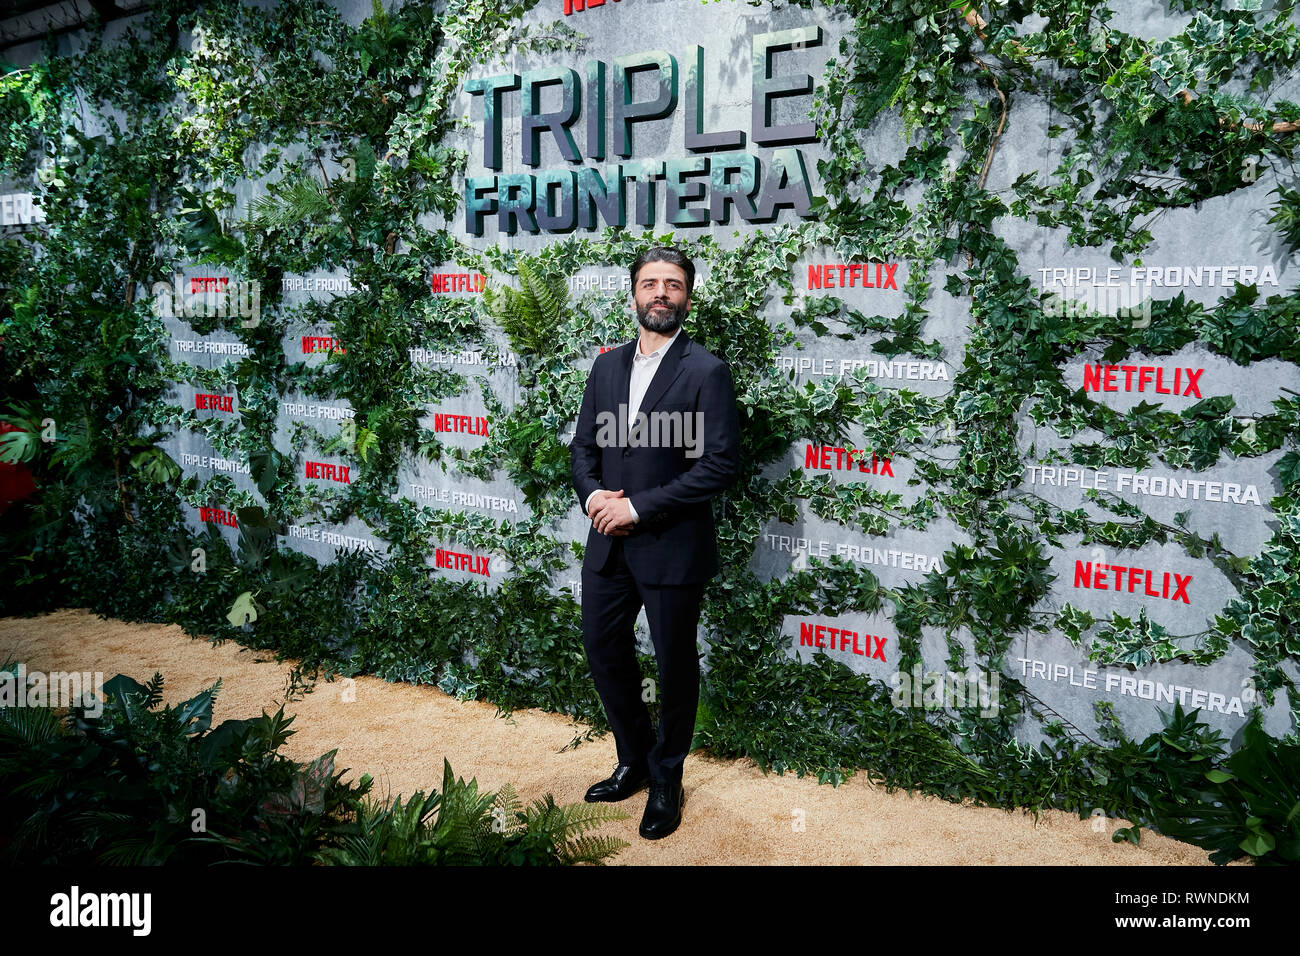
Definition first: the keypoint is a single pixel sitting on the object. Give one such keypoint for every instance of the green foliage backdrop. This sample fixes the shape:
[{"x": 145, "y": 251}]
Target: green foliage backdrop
[{"x": 137, "y": 149}]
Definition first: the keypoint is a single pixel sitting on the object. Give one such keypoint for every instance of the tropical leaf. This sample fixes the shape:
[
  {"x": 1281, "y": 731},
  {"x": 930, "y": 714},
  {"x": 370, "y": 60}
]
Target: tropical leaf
[
  {"x": 156, "y": 466},
  {"x": 243, "y": 611},
  {"x": 19, "y": 445}
]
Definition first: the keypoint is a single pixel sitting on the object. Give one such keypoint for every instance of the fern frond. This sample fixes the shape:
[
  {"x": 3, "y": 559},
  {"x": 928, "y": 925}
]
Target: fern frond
[
  {"x": 532, "y": 311},
  {"x": 551, "y": 296},
  {"x": 570, "y": 820},
  {"x": 590, "y": 849},
  {"x": 507, "y": 808},
  {"x": 532, "y": 314},
  {"x": 299, "y": 200},
  {"x": 154, "y": 691},
  {"x": 508, "y": 800},
  {"x": 460, "y": 818}
]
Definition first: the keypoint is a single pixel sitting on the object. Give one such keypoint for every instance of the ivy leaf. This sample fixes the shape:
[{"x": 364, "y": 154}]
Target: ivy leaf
[
  {"x": 1115, "y": 351},
  {"x": 1288, "y": 468}
]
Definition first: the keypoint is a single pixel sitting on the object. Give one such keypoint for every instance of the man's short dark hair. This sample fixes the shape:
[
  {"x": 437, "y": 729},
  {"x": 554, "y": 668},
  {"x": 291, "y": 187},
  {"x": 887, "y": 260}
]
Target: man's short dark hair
[{"x": 670, "y": 256}]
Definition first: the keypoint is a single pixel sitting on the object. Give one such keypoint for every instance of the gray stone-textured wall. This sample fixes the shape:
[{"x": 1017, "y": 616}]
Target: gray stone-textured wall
[{"x": 1198, "y": 252}]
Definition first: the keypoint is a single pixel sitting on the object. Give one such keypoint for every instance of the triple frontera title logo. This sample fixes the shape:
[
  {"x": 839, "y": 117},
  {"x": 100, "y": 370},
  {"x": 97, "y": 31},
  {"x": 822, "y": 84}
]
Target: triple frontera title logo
[{"x": 698, "y": 189}]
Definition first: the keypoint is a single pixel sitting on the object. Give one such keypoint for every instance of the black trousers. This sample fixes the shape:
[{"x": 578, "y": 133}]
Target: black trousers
[{"x": 611, "y": 599}]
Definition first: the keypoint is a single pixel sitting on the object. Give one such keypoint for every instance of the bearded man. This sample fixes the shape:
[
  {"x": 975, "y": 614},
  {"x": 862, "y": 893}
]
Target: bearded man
[{"x": 658, "y": 437}]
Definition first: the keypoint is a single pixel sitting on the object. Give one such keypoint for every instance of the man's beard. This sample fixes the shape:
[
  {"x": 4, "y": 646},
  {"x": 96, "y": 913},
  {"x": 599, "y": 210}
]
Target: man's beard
[{"x": 666, "y": 322}]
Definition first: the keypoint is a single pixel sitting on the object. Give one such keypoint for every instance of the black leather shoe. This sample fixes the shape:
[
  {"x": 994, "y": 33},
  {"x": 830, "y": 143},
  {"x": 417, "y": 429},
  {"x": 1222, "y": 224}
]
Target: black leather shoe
[
  {"x": 626, "y": 780},
  {"x": 663, "y": 811}
]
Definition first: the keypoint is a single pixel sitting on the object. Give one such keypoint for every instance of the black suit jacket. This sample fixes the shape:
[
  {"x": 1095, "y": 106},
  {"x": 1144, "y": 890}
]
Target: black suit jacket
[{"x": 674, "y": 541}]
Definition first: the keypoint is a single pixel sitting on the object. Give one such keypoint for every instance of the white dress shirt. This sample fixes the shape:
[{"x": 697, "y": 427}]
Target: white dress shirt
[{"x": 643, "y": 373}]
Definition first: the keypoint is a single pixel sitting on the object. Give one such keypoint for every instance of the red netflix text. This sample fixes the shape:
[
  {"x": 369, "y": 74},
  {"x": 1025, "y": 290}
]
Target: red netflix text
[
  {"x": 853, "y": 275},
  {"x": 459, "y": 282},
  {"x": 458, "y": 561},
  {"x": 215, "y": 403},
  {"x": 1117, "y": 577},
  {"x": 321, "y": 343},
  {"x": 469, "y": 425},
  {"x": 817, "y": 635},
  {"x": 570, "y": 6},
  {"x": 328, "y": 472},
  {"x": 1106, "y": 378},
  {"x": 218, "y": 516},
  {"x": 820, "y": 456}
]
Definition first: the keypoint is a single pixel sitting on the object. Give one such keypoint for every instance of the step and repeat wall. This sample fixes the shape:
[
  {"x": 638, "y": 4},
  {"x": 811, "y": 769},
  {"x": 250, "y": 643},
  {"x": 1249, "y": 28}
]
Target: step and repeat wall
[{"x": 1125, "y": 485}]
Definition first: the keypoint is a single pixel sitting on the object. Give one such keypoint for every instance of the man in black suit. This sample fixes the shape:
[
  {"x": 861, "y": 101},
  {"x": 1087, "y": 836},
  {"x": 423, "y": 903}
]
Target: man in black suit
[{"x": 658, "y": 437}]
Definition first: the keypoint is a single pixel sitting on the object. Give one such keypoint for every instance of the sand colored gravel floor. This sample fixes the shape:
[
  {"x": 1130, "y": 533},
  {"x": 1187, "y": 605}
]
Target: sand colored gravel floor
[{"x": 734, "y": 813}]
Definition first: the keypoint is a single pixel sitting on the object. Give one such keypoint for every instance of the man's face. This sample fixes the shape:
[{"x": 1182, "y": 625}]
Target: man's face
[{"x": 660, "y": 296}]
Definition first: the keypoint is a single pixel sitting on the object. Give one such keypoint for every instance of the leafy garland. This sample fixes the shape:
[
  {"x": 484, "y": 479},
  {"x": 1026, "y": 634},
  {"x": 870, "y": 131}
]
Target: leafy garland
[{"x": 353, "y": 180}]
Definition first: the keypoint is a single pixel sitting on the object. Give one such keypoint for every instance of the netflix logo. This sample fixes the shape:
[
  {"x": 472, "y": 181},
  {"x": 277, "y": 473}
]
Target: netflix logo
[
  {"x": 853, "y": 275},
  {"x": 209, "y": 284},
  {"x": 321, "y": 343},
  {"x": 214, "y": 403},
  {"x": 819, "y": 457},
  {"x": 1106, "y": 378},
  {"x": 577, "y": 6},
  {"x": 444, "y": 282},
  {"x": 327, "y": 472},
  {"x": 841, "y": 639},
  {"x": 218, "y": 516},
  {"x": 459, "y": 561},
  {"x": 461, "y": 424},
  {"x": 1117, "y": 577}
]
